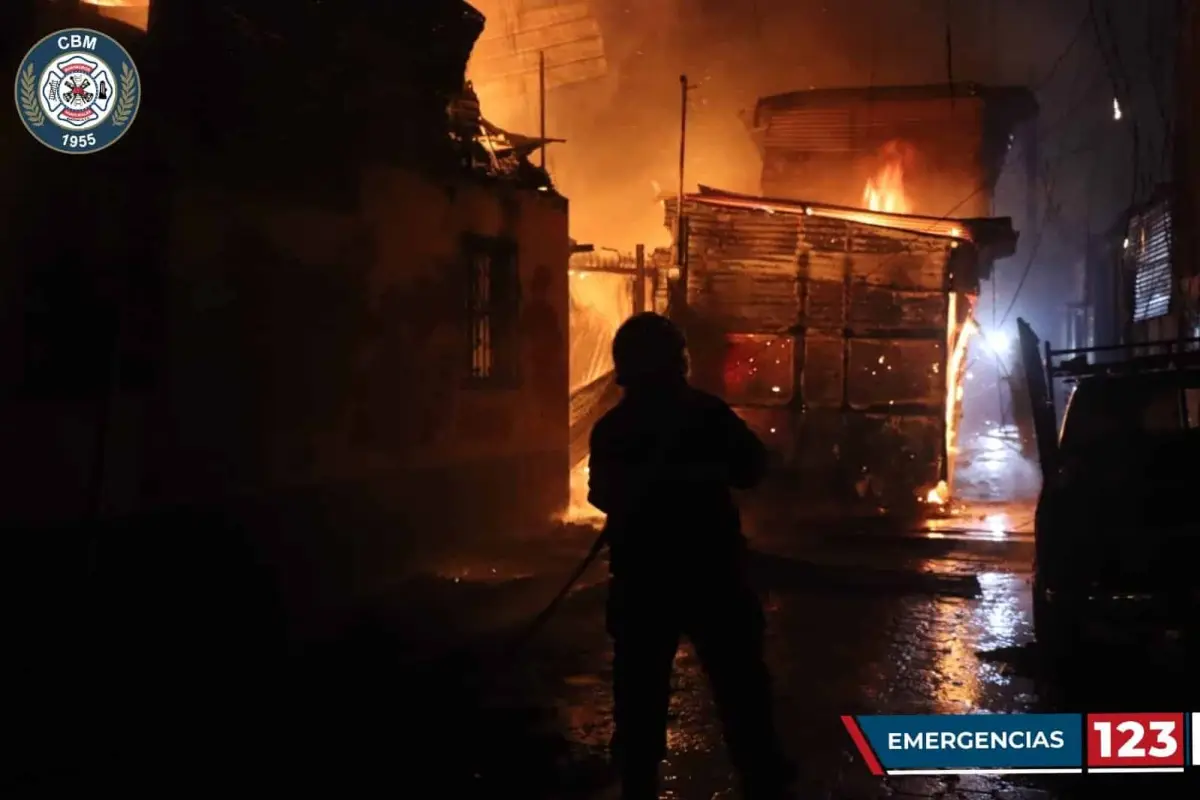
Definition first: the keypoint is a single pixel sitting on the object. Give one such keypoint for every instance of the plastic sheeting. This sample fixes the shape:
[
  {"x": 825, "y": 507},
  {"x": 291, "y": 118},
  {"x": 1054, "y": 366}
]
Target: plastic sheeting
[{"x": 600, "y": 302}]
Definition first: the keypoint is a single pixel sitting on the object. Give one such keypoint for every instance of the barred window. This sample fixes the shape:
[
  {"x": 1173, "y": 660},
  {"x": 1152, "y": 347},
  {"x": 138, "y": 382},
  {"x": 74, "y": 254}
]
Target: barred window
[
  {"x": 493, "y": 310},
  {"x": 1150, "y": 255}
]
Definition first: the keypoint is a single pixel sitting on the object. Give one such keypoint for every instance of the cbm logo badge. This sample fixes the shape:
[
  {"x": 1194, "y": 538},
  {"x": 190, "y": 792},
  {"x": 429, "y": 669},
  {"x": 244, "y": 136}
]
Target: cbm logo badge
[{"x": 78, "y": 91}]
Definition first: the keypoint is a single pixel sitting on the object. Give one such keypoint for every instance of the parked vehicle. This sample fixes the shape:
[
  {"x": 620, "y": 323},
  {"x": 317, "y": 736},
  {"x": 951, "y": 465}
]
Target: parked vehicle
[{"x": 1116, "y": 526}]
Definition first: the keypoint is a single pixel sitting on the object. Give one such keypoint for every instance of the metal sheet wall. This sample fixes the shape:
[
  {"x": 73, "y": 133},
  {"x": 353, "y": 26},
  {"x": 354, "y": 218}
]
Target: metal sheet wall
[
  {"x": 866, "y": 307},
  {"x": 826, "y": 154}
]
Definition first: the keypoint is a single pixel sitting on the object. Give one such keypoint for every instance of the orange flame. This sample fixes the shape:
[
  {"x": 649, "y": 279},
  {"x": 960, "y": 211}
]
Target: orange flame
[
  {"x": 938, "y": 495},
  {"x": 131, "y": 12},
  {"x": 957, "y": 339},
  {"x": 885, "y": 190}
]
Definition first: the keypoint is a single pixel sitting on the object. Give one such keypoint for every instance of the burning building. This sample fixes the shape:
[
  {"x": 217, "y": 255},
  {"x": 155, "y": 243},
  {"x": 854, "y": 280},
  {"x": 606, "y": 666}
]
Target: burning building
[
  {"x": 835, "y": 310},
  {"x": 839, "y": 334},
  {"x": 931, "y": 150},
  {"x": 330, "y": 342}
]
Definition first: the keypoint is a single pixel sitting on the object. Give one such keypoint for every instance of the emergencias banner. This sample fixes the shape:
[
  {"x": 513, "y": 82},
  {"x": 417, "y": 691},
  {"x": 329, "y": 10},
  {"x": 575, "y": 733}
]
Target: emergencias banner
[{"x": 1025, "y": 743}]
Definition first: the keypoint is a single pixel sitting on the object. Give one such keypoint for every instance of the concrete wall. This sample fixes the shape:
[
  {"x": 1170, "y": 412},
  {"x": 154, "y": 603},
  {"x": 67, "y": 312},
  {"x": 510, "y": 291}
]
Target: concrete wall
[
  {"x": 297, "y": 376},
  {"x": 354, "y": 325}
]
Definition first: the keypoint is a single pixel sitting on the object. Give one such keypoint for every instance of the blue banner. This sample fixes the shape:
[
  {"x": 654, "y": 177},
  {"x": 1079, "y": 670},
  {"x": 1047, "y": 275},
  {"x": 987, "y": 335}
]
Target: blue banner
[{"x": 970, "y": 742}]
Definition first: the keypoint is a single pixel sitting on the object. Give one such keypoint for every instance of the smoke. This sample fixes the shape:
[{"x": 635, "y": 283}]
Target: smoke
[{"x": 623, "y": 127}]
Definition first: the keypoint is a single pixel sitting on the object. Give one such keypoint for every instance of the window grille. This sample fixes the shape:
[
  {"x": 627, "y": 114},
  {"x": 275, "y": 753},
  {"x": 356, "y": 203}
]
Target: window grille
[
  {"x": 493, "y": 308},
  {"x": 1150, "y": 255}
]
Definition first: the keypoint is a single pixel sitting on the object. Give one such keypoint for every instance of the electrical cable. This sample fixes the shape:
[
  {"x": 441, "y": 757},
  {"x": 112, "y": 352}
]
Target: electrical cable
[
  {"x": 1037, "y": 242},
  {"x": 1110, "y": 52},
  {"x": 1040, "y": 234},
  {"x": 1067, "y": 117},
  {"x": 1066, "y": 51},
  {"x": 518, "y": 643}
]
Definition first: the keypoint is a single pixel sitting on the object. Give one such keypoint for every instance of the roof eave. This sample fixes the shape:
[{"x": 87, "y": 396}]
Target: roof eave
[{"x": 990, "y": 233}]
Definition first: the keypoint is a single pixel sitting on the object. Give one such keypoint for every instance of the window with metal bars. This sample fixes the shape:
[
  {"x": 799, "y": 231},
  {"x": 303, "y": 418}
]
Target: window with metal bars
[
  {"x": 1150, "y": 252},
  {"x": 493, "y": 311}
]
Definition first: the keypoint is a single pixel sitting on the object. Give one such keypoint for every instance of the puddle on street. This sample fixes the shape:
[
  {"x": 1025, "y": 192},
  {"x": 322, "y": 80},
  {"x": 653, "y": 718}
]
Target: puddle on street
[{"x": 835, "y": 655}]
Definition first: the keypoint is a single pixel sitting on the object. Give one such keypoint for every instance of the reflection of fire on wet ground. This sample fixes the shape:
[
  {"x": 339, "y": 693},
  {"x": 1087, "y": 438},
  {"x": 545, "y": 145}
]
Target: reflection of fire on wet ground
[
  {"x": 996, "y": 488},
  {"x": 991, "y": 467}
]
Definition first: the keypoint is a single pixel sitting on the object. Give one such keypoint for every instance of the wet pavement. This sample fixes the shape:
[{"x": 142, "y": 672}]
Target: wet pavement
[
  {"x": 864, "y": 643},
  {"x": 934, "y": 618},
  {"x": 836, "y": 649}
]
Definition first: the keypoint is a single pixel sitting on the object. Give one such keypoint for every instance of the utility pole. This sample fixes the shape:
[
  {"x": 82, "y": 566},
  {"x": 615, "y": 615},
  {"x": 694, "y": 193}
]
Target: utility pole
[
  {"x": 680, "y": 223},
  {"x": 542, "y": 103},
  {"x": 683, "y": 98}
]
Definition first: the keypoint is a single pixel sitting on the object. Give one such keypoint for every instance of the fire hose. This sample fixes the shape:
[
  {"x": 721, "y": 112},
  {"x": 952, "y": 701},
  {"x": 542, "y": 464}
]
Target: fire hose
[{"x": 546, "y": 614}]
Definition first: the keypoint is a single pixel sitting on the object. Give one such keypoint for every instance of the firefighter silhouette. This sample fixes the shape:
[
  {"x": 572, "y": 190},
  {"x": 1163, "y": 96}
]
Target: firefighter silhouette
[{"x": 663, "y": 463}]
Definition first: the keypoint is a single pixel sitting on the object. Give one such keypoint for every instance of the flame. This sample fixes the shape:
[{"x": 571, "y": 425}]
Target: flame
[
  {"x": 599, "y": 303},
  {"x": 885, "y": 190},
  {"x": 131, "y": 12},
  {"x": 958, "y": 336},
  {"x": 955, "y": 375},
  {"x": 579, "y": 510}
]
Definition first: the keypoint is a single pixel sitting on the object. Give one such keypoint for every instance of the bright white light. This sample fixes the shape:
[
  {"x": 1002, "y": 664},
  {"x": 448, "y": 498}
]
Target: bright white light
[
  {"x": 998, "y": 341},
  {"x": 997, "y": 524},
  {"x": 1116, "y": 108}
]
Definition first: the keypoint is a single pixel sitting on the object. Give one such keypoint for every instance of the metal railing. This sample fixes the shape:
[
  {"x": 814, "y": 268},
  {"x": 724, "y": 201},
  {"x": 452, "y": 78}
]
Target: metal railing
[{"x": 1156, "y": 356}]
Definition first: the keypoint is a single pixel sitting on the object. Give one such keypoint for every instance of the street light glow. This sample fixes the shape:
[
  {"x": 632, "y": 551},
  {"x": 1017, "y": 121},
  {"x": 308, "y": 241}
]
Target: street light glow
[{"x": 998, "y": 341}]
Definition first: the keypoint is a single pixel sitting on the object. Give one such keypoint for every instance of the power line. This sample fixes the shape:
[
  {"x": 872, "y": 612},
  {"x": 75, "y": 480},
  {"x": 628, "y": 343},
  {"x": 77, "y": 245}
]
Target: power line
[
  {"x": 1037, "y": 243},
  {"x": 1120, "y": 87},
  {"x": 1066, "y": 51},
  {"x": 1040, "y": 236}
]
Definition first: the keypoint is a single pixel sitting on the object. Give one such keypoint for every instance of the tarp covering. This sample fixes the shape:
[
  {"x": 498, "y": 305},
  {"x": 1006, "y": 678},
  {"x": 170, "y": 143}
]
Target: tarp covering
[{"x": 600, "y": 302}]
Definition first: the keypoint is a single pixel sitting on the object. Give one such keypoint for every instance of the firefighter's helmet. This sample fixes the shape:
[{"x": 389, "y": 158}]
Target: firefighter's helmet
[{"x": 649, "y": 348}]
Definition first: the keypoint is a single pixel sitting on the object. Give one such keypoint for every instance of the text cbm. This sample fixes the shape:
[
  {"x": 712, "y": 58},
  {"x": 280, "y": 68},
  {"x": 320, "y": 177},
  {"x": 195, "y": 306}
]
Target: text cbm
[{"x": 77, "y": 41}]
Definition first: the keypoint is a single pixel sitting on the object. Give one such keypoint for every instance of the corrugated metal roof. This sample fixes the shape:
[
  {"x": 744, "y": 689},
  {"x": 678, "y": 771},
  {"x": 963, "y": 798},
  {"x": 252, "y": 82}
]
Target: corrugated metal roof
[
  {"x": 816, "y": 131},
  {"x": 1020, "y": 98},
  {"x": 845, "y": 122},
  {"x": 568, "y": 36},
  {"x": 862, "y": 127},
  {"x": 931, "y": 226}
]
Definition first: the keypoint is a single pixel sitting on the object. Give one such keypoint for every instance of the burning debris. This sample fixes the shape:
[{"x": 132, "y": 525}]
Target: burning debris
[{"x": 490, "y": 149}]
